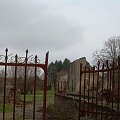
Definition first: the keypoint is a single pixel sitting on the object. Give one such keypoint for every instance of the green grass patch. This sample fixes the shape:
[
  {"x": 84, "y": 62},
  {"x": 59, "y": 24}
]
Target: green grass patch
[
  {"x": 8, "y": 108},
  {"x": 39, "y": 96},
  {"x": 30, "y": 97}
]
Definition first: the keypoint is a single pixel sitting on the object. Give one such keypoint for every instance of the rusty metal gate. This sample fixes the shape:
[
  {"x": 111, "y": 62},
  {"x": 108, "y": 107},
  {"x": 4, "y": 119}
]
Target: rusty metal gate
[
  {"x": 99, "y": 95},
  {"x": 7, "y": 61}
]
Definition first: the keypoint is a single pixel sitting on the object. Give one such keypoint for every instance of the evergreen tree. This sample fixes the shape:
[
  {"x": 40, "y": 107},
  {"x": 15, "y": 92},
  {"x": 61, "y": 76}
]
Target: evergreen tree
[
  {"x": 59, "y": 66},
  {"x": 56, "y": 67},
  {"x": 66, "y": 64}
]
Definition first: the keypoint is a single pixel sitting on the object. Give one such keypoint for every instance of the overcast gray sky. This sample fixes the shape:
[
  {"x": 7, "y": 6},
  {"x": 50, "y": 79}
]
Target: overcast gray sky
[{"x": 66, "y": 28}]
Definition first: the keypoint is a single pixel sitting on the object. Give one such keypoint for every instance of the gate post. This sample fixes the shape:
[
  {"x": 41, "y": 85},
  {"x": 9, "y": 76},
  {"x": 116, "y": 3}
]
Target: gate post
[{"x": 45, "y": 86}]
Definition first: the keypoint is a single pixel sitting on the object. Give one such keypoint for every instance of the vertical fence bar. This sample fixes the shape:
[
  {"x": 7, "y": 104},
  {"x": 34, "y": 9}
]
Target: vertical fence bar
[
  {"x": 107, "y": 84},
  {"x": 93, "y": 88},
  {"x": 113, "y": 82},
  {"x": 110, "y": 79},
  {"x": 25, "y": 78},
  {"x": 14, "y": 101},
  {"x": 118, "y": 105},
  {"x": 74, "y": 81},
  {"x": 84, "y": 95},
  {"x": 61, "y": 87},
  {"x": 110, "y": 86},
  {"x": 35, "y": 88},
  {"x": 97, "y": 92},
  {"x": 45, "y": 86},
  {"x": 79, "y": 114},
  {"x": 107, "y": 74},
  {"x": 88, "y": 88},
  {"x": 102, "y": 90},
  {"x": 72, "y": 85},
  {"x": 58, "y": 87},
  {"x": 4, "y": 98},
  {"x": 68, "y": 84}
]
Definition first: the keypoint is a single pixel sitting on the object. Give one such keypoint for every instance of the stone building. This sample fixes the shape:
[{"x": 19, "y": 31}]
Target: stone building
[
  {"x": 74, "y": 77},
  {"x": 74, "y": 74},
  {"x": 62, "y": 79},
  {"x": 70, "y": 81}
]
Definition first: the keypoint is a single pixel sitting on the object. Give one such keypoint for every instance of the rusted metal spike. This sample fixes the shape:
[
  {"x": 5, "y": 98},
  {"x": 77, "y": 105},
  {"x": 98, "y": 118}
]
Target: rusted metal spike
[
  {"x": 26, "y": 58},
  {"x": 16, "y": 56},
  {"x": 118, "y": 60},
  {"x": 6, "y": 56},
  {"x": 6, "y": 50},
  {"x": 47, "y": 53},
  {"x": 107, "y": 63},
  {"x": 94, "y": 67},
  {"x": 27, "y": 51},
  {"x": 46, "y": 59},
  {"x": 36, "y": 59}
]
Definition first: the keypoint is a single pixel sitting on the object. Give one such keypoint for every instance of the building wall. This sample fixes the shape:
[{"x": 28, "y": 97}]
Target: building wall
[
  {"x": 74, "y": 74},
  {"x": 62, "y": 78},
  {"x": 87, "y": 78}
]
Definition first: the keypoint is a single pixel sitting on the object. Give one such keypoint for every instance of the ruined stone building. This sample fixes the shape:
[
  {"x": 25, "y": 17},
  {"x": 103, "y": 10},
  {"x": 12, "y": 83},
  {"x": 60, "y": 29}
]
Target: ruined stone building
[
  {"x": 74, "y": 77},
  {"x": 70, "y": 81},
  {"x": 62, "y": 79},
  {"x": 74, "y": 74}
]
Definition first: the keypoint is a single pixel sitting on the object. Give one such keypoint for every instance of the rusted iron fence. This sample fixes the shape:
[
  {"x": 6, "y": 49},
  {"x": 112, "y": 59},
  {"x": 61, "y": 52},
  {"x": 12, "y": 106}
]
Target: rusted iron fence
[
  {"x": 99, "y": 95},
  {"x": 18, "y": 64}
]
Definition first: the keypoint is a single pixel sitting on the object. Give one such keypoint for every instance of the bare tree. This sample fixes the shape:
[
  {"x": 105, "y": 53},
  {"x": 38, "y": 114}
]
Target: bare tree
[
  {"x": 30, "y": 75},
  {"x": 110, "y": 50}
]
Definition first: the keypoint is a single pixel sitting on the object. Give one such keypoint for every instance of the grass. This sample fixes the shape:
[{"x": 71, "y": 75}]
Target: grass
[
  {"x": 30, "y": 97},
  {"x": 39, "y": 96},
  {"x": 8, "y": 108}
]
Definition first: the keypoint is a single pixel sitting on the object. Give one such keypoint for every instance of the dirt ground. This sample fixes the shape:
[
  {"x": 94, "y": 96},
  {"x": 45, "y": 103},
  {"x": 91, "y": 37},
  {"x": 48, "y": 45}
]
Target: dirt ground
[{"x": 28, "y": 112}]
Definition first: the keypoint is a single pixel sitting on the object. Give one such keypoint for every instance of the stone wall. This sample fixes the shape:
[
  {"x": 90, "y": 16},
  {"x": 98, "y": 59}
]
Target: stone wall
[{"x": 67, "y": 105}]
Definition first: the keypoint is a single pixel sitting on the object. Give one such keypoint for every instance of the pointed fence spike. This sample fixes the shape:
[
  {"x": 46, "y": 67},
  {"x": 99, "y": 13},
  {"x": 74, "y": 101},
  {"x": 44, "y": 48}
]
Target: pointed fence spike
[
  {"x": 46, "y": 58},
  {"x": 107, "y": 63},
  {"x": 16, "y": 56},
  {"x": 36, "y": 59},
  {"x": 118, "y": 60},
  {"x": 6, "y": 56},
  {"x": 27, "y": 51},
  {"x": 94, "y": 67},
  {"x": 6, "y": 50},
  {"x": 35, "y": 56},
  {"x": 47, "y": 52}
]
